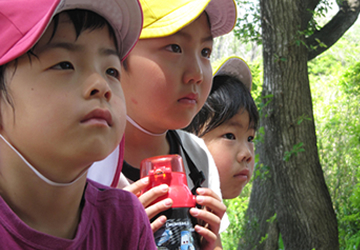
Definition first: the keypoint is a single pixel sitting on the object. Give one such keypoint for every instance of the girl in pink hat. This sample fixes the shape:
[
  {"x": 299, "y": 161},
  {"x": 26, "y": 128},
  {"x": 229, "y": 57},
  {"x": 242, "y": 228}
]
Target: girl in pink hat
[{"x": 62, "y": 108}]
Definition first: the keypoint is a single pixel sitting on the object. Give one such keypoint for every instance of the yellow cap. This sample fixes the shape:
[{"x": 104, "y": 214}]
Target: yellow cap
[
  {"x": 236, "y": 67},
  {"x": 166, "y": 17}
]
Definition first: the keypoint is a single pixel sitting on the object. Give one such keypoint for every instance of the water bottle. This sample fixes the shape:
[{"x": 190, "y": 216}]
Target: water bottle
[{"x": 178, "y": 231}]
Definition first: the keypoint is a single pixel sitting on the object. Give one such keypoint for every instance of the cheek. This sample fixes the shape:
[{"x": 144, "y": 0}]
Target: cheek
[
  {"x": 205, "y": 91},
  {"x": 119, "y": 110},
  {"x": 222, "y": 158},
  {"x": 6, "y": 114},
  {"x": 207, "y": 83}
]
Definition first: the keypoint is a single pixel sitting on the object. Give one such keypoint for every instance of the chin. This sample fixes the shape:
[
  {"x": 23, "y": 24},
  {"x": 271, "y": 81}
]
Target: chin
[
  {"x": 232, "y": 194},
  {"x": 98, "y": 153}
]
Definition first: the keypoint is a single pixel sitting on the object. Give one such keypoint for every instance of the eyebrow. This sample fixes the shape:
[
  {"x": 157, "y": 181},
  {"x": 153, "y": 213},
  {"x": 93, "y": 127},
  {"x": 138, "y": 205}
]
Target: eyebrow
[
  {"x": 237, "y": 124},
  {"x": 109, "y": 52},
  {"x": 189, "y": 37},
  {"x": 61, "y": 45},
  {"x": 75, "y": 47}
]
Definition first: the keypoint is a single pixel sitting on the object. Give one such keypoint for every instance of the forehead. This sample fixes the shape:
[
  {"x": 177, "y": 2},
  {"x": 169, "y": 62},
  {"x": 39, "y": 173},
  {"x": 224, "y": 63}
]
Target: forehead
[{"x": 240, "y": 120}]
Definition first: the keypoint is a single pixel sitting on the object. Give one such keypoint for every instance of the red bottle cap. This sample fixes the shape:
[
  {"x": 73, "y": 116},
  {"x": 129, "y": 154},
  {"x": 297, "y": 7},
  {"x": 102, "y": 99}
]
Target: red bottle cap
[{"x": 168, "y": 169}]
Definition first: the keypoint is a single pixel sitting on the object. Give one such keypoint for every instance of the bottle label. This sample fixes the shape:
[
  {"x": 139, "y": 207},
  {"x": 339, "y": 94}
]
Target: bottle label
[{"x": 178, "y": 231}]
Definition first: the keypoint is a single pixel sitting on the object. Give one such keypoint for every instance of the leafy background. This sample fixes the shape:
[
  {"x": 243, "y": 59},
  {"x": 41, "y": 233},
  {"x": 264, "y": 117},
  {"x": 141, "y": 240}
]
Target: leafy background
[{"x": 335, "y": 87}]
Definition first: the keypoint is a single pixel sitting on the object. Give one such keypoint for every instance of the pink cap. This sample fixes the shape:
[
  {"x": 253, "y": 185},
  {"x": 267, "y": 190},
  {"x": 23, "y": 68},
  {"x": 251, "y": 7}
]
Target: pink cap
[{"x": 22, "y": 22}]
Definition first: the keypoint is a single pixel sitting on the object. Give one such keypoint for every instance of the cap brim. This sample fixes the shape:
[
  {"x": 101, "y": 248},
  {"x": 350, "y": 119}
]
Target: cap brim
[
  {"x": 236, "y": 67},
  {"x": 174, "y": 20},
  {"x": 19, "y": 43},
  {"x": 124, "y": 16},
  {"x": 222, "y": 15}
]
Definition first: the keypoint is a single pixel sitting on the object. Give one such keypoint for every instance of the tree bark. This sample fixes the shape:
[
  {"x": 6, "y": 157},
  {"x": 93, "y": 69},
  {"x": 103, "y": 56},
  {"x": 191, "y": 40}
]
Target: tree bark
[
  {"x": 335, "y": 29},
  {"x": 294, "y": 188}
]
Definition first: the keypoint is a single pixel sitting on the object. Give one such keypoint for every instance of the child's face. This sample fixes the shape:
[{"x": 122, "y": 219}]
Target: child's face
[
  {"x": 231, "y": 145},
  {"x": 69, "y": 107},
  {"x": 168, "y": 79}
]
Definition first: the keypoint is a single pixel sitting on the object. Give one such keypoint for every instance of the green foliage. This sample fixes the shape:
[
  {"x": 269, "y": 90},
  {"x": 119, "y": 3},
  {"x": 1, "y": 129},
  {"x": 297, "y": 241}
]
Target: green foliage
[
  {"x": 261, "y": 171},
  {"x": 263, "y": 238},
  {"x": 248, "y": 25},
  {"x": 272, "y": 219},
  {"x": 297, "y": 148},
  {"x": 349, "y": 223},
  {"x": 236, "y": 209},
  {"x": 302, "y": 118},
  {"x": 350, "y": 80},
  {"x": 334, "y": 80}
]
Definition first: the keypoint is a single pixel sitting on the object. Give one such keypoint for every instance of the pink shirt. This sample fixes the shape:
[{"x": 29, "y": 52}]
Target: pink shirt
[{"x": 110, "y": 219}]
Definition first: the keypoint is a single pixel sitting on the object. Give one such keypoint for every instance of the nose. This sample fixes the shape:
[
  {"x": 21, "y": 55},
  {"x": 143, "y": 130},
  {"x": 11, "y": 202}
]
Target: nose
[
  {"x": 97, "y": 87},
  {"x": 245, "y": 153},
  {"x": 194, "y": 71}
]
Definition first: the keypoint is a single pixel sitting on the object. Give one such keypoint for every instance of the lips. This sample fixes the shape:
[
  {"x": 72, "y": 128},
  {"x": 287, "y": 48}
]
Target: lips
[
  {"x": 190, "y": 98},
  {"x": 243, "y": 174},
  {"x": 98, "y": 116}
]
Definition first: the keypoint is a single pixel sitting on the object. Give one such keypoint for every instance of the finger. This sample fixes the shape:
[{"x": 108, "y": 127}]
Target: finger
[
  {"x": 137, "y": 186},
  {"x": 212, "y": 205},
  {"x": 208, "y": 192},
  {"x": 209, "y": 238},
  {"x": 151, "y": 195},
  {"x": 211, "y": 201},
  {"x": 158, "y": 207},
  {"x": 158, "y": 223},
  {"x": 211, "y": 219}
]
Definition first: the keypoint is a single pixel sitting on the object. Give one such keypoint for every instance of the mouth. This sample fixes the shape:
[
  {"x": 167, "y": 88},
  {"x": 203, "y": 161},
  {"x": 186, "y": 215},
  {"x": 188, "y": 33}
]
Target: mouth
[
  {"x": 243, "y": 175},
  {"x": 98, "y": 117},
  {"x": 189, "y": 99}
]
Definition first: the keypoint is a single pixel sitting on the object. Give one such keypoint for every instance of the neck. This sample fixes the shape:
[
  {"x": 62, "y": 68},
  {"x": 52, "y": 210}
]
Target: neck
[
  {"x": 48, "y": 209},
  {"x": 139, "y": 145}
]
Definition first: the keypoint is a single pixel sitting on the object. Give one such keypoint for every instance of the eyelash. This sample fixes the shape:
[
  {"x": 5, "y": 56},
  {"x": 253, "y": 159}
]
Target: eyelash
[
  {"x": 172, "y": 47},
  {"x": 116, "y": 75},
  {"x": 208, "y": 54},
  {"x": 177, "y": 49},
  {"x": 63, "y": 65},
  {"x": 67, "y": 65},
  {"x": 226, "y": 136}
]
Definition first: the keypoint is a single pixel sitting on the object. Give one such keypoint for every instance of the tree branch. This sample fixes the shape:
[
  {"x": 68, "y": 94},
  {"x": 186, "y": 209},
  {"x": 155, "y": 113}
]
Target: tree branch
[
  {"x": 334, "y": 29},
  {"x": 307, "y": 14}
]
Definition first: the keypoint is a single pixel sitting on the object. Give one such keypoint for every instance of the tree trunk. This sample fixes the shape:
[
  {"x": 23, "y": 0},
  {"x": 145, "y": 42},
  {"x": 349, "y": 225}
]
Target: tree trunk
[{"x": 290, "y": 196}]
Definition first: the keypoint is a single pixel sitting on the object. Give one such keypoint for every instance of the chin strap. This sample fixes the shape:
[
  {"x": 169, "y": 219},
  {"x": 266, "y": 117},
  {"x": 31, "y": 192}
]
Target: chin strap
[
  {"x": 55, "y": 184},
  {"x": 142, "y": 129}
]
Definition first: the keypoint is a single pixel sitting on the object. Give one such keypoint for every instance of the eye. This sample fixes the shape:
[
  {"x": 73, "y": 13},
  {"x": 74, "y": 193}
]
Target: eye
[
  {"x": 113, "y": 72},
  {"x": 63, "y": 66},
  {"x": 229, "y": 136},
  {"x": 174, "y": 48},
  {"x": 250, "y": 138},
  {"x": 206, "y": 52}
]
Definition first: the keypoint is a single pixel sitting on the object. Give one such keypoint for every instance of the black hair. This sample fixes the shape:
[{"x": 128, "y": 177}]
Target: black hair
[
  {"x": 82, "y": 20},
  {"x": 85, "y": 20},
  {"x": 228, "y": 96}
]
